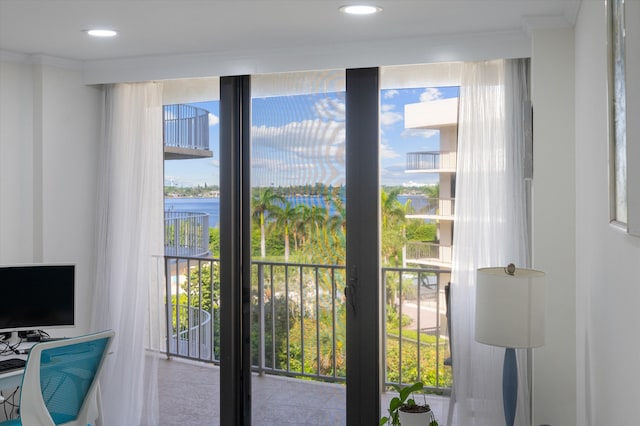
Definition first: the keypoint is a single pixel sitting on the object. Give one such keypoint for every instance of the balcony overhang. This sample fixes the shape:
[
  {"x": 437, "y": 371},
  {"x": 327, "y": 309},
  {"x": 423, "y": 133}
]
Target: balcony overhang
[
  {"x": 435, "y": 114},
  {"x": 178, "y": 153}
]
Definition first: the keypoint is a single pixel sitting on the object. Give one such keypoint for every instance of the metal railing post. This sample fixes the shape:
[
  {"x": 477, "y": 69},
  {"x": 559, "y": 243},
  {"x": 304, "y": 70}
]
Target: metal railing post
[
  {"x": 261, "y": 351},
  {"x": 438, "y": 330}
]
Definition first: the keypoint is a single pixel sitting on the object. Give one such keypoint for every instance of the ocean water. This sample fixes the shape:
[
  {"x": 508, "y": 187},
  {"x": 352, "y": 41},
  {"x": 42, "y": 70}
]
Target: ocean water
[
  {"x": 211, "y": 206},
  {"x": 199, "y": 205}
]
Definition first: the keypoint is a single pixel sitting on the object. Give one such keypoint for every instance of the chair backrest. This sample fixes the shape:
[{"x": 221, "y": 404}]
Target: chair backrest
[{"x": 60, "y": 379}]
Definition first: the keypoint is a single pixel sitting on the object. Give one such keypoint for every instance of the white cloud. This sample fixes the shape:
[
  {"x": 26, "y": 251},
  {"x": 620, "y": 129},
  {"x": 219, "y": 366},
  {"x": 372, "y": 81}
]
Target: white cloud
[
  {"x": 300, "y": 133},
  {"x": 306, "y": 151},
  {"x": 213, "y": 120},
  {"x": 329, "y": 108},
  {"x": 412, "y": 184},
  {"x": 387, "y": 152},
  {"x": 430, "y": 94},
  {"x": 388, "y": 116},
  {"x": 389, "y": 94}
]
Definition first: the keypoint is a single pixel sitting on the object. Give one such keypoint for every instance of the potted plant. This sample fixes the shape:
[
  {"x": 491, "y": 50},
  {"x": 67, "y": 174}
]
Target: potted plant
[{"x": 404, "y": 411}]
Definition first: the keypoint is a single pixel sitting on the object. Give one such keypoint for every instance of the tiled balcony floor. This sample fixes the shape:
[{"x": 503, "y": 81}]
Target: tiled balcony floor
[{"x": 190, "y": 396}]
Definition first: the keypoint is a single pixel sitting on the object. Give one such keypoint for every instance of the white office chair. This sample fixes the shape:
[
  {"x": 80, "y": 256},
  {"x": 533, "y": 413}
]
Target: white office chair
[{"x": 60, "y": 384}]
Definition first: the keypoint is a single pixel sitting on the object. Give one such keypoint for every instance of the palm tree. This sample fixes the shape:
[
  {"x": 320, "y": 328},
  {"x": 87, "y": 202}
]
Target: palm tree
[
  {"x": 391, "y": 207},
  {"x": 337, "y": 222},
  {"x": 393, "y": 213},
  {"x": 284, "y": 218},
  {"x": 432, "y": 191},
  {"x": 315, "y": 217},
  {"x": 262, "y": 203},
  {"x": 299, "y": 225}
]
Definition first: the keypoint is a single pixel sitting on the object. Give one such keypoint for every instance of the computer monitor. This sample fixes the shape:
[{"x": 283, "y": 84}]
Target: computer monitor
[{"x": 36, "y": 297}]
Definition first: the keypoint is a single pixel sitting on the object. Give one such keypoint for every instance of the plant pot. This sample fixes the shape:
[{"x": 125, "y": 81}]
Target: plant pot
[{"x": 415, "y": 418}]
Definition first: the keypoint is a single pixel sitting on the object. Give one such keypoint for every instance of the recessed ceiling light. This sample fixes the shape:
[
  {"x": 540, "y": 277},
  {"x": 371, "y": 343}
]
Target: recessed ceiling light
[
  {"x": 102, "y": 33},
  {"x": 360, "y": 9}
]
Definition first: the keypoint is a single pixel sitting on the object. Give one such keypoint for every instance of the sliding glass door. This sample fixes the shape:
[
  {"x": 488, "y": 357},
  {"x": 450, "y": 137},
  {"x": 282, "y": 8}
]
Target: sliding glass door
[
  {"x": 298, "y": 247},
  {"x": 419, "y": 121},
  {"x": 326, "y": 270},
  {"x": 191, "y": 114}
]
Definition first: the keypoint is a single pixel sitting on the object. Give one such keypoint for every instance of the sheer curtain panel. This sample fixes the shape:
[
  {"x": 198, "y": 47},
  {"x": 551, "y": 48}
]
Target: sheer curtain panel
[
  {"x": 130, "y": 238},
  {"x": 492, "y": 229}
]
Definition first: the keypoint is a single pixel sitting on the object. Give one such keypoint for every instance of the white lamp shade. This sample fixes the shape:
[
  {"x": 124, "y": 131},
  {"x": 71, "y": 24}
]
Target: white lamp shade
[{"x": 510, "y": 308}]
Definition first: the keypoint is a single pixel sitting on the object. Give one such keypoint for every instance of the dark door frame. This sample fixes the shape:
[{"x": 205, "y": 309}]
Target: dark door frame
[
  {"x": 364, "y": 355},
  {"x": 235, "y": 251}
]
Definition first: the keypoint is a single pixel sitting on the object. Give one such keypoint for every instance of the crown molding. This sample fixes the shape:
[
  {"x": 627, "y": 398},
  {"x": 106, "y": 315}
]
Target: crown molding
[
  {"x": 531, "y": 23},
  {"x": 422, "y": 50},
  {"x": 7, "y": 56},
  {"x": 54, "y": 61},
  {"x": 37, "y": 59}
]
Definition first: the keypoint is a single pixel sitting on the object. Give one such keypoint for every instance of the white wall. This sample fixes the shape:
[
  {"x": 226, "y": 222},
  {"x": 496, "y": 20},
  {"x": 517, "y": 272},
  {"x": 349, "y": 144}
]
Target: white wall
[
  {"x": 49, "y": 132},
  {"x": 608, "y": 260},
  {"x": 16, "y": 165},
  {"x": 554, "y": 235}
]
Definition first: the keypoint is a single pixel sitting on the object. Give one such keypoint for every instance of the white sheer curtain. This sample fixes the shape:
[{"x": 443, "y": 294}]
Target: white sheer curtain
[
  {"x": 491, "y": 222},
  {"x": 130, "y": 238}
]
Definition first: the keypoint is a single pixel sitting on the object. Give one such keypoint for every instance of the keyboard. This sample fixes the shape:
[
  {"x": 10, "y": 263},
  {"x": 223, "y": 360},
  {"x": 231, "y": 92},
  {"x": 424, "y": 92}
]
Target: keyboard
[{"x": 11, "y": 364}]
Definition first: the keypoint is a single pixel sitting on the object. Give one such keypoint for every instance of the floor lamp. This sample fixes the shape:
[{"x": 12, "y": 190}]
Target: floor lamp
[{"x": 510, "y": 314}]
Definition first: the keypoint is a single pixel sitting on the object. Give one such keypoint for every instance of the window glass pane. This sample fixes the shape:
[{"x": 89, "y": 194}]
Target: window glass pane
[
  {"x": 418, "y": 118},
  {"x": 298, "y": 275},
  {"x": 192, "y": 213}
]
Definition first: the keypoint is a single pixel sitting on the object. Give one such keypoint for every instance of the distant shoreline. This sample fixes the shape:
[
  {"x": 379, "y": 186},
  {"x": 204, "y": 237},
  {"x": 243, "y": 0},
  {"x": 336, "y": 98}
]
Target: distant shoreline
[{"x": 192, "y": 196}]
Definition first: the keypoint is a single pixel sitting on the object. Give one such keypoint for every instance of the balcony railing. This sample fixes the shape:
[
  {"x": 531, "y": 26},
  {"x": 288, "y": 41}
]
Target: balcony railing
[
  {"x": 433, "y": 207},
  {"x": 298, "y": 320},
  {"x": 186, "y": 233},
  {"x": 429, "y": 252},
  {"x": 186, "y": 126},
  {"x": 435, "y": 160}
]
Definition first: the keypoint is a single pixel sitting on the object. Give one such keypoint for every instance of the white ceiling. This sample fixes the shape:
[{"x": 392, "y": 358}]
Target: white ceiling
[{"x": 170, "y": 27}]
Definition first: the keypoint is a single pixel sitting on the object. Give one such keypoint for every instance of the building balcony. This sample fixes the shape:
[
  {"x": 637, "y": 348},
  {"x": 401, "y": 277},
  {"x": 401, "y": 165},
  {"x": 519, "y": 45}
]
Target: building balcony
[
  {"x": 186, "y": 233},
  {"x": 437, "y": 114},
  {"x": 433, "y": 208},
  {"x": 186, "y": 132},
  {"x": 429, "y": 254},
  {"x": 431, "y": 162}
]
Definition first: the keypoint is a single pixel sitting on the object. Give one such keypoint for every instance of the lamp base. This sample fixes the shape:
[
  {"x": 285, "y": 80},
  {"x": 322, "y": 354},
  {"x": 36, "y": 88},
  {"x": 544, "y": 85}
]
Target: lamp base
[{"x": 510, "y": 385}]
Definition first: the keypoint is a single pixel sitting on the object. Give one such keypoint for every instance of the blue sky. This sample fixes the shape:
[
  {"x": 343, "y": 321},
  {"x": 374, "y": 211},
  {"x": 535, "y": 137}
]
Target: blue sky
[{"x": 299, "y": 140}]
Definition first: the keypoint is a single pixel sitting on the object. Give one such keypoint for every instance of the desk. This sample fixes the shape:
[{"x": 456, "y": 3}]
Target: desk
[{"x": 13, "y": 379}]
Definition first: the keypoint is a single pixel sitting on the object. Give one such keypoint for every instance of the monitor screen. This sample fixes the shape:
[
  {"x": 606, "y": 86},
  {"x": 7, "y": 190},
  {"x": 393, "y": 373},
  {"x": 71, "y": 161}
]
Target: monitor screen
[{"x": 36, "y": 297}]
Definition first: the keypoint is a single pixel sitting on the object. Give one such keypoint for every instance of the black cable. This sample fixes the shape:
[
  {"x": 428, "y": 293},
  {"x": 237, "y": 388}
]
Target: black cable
[
  {"x": 8, "y": 349},
  {"x": 44, "y": 334},
  {"x": 9, "y": 401},
  {"x": 15, "y": 407}
]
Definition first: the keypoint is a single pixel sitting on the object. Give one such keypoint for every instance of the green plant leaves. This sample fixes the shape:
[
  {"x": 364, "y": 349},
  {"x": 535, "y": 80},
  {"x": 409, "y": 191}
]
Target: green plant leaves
[{"x": 405, "y": 392}]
